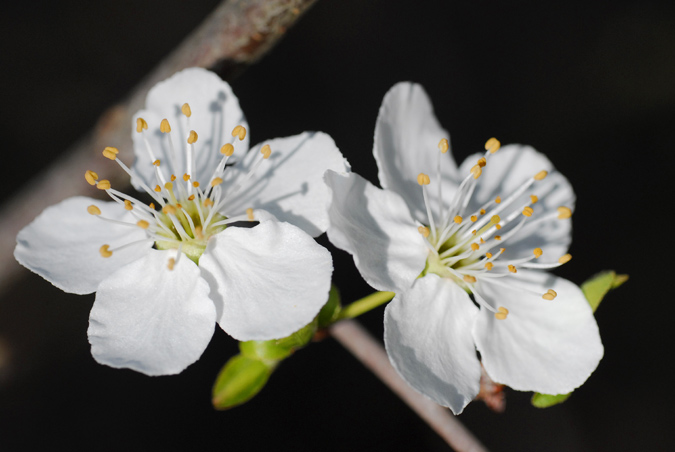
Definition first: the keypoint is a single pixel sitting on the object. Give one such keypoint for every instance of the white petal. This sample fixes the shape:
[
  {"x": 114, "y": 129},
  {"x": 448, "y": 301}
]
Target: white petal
[
  {"x": 215, "y": 112},
  {"x": 268, "y": 281},
  {"x": 407, "y": 134},
  {"x": 375, "y": 226},
  {"x": 151, "y": 319},
  {"x": 546, "y": 346},
  {"x": 62, "y": 244},
  {"x": 507, "y": 170},
  {"x": 289, "y": 185},
  {"x": 427, "y": 332}
]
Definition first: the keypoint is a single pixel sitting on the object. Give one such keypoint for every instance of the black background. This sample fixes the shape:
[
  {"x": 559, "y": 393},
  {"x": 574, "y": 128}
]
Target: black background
[{"x": 591, "y": 84}]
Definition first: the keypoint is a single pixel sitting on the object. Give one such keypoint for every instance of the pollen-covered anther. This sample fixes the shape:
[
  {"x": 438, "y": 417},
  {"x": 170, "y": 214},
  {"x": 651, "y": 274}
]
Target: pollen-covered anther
[
  {"x": 541, "y": 175},
  {"x": 227, "y": 149},
  {"x": 168, "y": 209},
  {"x": 192, "y": 137},
  {"x": 498, "y": 237},
  {"x": 105, "y": 251},
  {"x": 550, "y": 295},
  {"x": 171, "y": 264},
  {"x": 528, "y": 211},
  {"x": 186, "y": 177},
  {"x": 488, "y": 255},
  {"x": 534, "y": 199},
  {"x": 186, "y": 110},
  {"x": 443, "y": 145},
  {"x": 110, "y": 153},
  {"x": 103, "y": 184},
  {"x": 482, "y": 162},
  {"x": 208, "y": 202},
  {"x": 482, "y": 211},
  {"x": 158, "y": 188},
  {"x": 513, "y": 269},
  {"x": 565, "y": 259},
  {"x": 141, "y": 125},
  {"x": 498, "y": 226},
  {"x": 476, "y": 171},
  {"x": 502, "y": 313},
  {"x": 423, "y": 179},
  {"x": 424, "y": 231},
  {"x": 93, "y": 210},
  {"x": 266, "y": 151},
  {"x": 240, "y": 132},
  {"x": 475, "y": 246},
  {"x": 564, "y": 212},
  {"x": 249, "y": 214},
  {"x": 470, "y": 279},
  {"x": 152, "y": 206},
  {"x": 482, "y": 241},
  {"x": 489, "y": 266},
  {"x": 195, "y": 184},
  {"x": 128, "y": 205},
  {"x": 537, "y": 253},
  {"x": 474, "y": 218},
  {"x": 142, "y": 224},
  {"x": 173, "y": 177},
  {"x": 492, "y": 145},
  {"x": 216, "y": 181},
  {"x": 191, "y": 198},
  {"x": 91, "y": 177},
  {"x": 498, "y": 199},
  {"x": 457, "y": 219},
  {"x": 156, "y": 162},
  {"x": 164, "y": 126}
]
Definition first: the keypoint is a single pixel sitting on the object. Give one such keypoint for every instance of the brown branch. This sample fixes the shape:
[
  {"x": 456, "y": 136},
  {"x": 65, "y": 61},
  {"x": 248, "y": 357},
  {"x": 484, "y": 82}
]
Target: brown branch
[
  {"x": 235, "y": 35},
  {"x": 370, "y": 352}
]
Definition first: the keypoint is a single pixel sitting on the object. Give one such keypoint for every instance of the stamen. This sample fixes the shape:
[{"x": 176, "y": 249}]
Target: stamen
[
  {"x": 550, "y": 295},
  {"x": 186, "y": 110},
  {"x": 498, "y": 199},
  {"x": 489, "y": 265},
  {"x": 141, "y": 125},
  {"x": 240, "y": 132},
  {"x": 564, "y": 212},
  {"x": 512, "y": 268},
  {"x": 443, "y": 145},
  {"x": 492, "y": 145},
  {"x": 537, "y": 253},
  {"x": 249, "y": 214},
  {"x": 103, "y": 184},
  {"x": 128, "y": 205},
  {"x": 156, "y": 162},
  {"x": 528, "y": 211},
  {"x": 424, "y": 231},
  {"x": 110, "y": 153},
  {"x": 227, "y": 149},
  {"x": 534, "y": 199},
  {"x": 91, "y": 177},
  {"x": 143, "y": 224},
  {"x": 192, "y": 138},
  {"x": 93, "y": 210},
  {"x": 216, "y": 181},
  {"x": 476, "y": 171},
  {"x": 502, "y": 313},
  {"x": 105, "y": 252},
  {"x": 171, "y": 263},
  {"x": 469, "y": 279},
  {"x": 475, "y": 246},
  {"x": 266, "y": 151},
  {"x": 565, "y": 259},
  {"x": 541, "y": 175},
  {"x": 458, "y": 219},
  {"x": 164, "y": 126},
  {"x": 474, "y": 218}
]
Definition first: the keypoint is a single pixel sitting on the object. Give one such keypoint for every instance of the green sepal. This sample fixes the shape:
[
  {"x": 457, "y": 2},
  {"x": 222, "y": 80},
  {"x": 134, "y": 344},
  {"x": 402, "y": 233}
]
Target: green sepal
[
  {"x": 301, "y": 337},
  {"x": 239, "y": 380},
  {"x": 331, "y": 310},
  {"x": 547, "y": 400}
]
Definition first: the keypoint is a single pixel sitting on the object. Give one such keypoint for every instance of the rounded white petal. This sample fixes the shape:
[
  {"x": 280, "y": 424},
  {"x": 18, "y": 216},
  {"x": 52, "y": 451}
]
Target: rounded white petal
[
  {"x": 62, "y": 244},
  {"x": 289, "y": 184},
  {"x": 546, "y": 346},
  {"x": 151, "y": 319},
  {"x": 215, "y": 112},
  {"x": 427, "y": 333},
  {"x": 267, "y": 281},
  {"x": 407, "y": 134},
  {"x": 506, "y": 171},
  {"x": 375, "y": 226}
]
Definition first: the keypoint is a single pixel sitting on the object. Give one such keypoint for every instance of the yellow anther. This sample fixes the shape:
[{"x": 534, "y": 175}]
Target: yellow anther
[
  {"x": 565, "y": 259},
  {"x": 482, "y": 211},
  {"x": 474, "y": 218},
  {"x": 492, "y": 145},
  {"x": 548, "y": 296},
  {"x": 164, "y": 126},
  {"x": 171, "y": 263},
  {"x": 105, "y": 251},
  {"x": 152, "y": 205},
  {"x": 475, "y": 246},
  {"x": 93, "y": 210},
  {"x": 227, "y": 149},
  {"x": 501, "y": 250},
  {"x": 179, "y": 206},
  {"x": 498, "y": 199},
  {"x": 208, "y": 202},
  {"x": 156, "y": 162},
  {"x": 482, "y": 241},
  {"x": 489, "y": 265},
  {"x": 186, "y": 177},
  {"x": 142, "y": 224},
  {"x": 91, "y": 177},
  {"x": 502, "y": 313},
  {"x": 552, "y": 292},
  {"x": 474, "y": 232},
  {"x": 424, "y": 231},
  {"x": 534, "y": 199},
  {"x": 239, "y": 131},
  {"x": 482, "y": 162},
  {"x": 443, "y": 145},
  {"x": 528, "y": 211},
  {"x": 249, "y": 214},
  {"x": 173, "y": 177},
  {"x": 488, "y": 255},
  {"x": 476, "y": 171},
  {"x": 141, "y": 125},
  {"x": 128, "y": 205},
  {"x": 537, "y": 253},
  {"x": 158, "y": 188},
  {"x": 541, "y": 175},
  {"x": 498, "y": 226},
  {"x": 266, "y": 151},
  {"x": 469, "y": 279},
  {"x": 564, "y": 212},
  {"x": 169, "y": 209},
  {"x": 192, "y": 138},
  {"x": 191, "y": 198},
  {"x": 195, "y": 184},
  {"x": 168, "y": 186},
  {"x": 498, "y": 237},
  {"x": 512, "y": 269},
  {"x": 186, "y": 110},
  {"x": 423, "y": 179},
  {"x": 103, "y": 184},
  {"x": 216, "y": 181},
  {"x": 458, "y": 219},
  {"x": 110, "y": 153}
]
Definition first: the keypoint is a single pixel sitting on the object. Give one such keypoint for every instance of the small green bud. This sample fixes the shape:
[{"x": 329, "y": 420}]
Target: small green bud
[
  {"x": 239, "y": 380},
  {"x": 547, "y": 400}
]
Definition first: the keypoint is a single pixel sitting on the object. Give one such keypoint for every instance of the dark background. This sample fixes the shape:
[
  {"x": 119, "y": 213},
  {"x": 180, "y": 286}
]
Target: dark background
[{"x": 591, "y": 84}]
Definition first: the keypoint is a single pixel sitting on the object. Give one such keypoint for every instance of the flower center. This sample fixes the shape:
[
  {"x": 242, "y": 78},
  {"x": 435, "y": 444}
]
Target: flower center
[{"x": 465, "y": 246}]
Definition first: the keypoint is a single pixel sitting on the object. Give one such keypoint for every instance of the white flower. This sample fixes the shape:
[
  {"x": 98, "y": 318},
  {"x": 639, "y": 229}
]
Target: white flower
[
  {"x": 165, "y": 273},
  {"x": 478, "y": 236}
]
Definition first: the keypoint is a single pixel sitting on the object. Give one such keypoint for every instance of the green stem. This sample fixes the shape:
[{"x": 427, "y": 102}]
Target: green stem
[{"x": 365, "y": 304}]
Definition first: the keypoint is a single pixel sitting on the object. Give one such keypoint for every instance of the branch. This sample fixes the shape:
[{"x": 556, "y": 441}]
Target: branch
[{"x": 370, "y": 352}]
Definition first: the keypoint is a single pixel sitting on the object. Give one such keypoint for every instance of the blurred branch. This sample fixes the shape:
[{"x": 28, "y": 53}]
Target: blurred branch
[
  {"x": 370, "y": 352},
  {"x": 235, "y": 35}
]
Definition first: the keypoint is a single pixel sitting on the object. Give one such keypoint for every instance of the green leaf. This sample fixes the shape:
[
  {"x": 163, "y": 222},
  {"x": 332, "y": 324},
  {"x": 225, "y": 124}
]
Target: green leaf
[
  {"x": 547, "y": 400},
  {"x": 239, "y": 380},
  {"x": 597, "y": 287}
]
